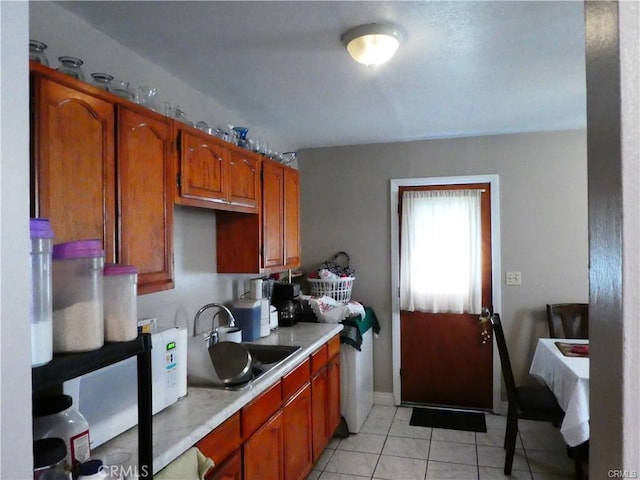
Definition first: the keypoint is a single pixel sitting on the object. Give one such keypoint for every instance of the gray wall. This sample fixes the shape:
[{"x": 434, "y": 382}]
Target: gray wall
[{"x": 543, "y": 183}]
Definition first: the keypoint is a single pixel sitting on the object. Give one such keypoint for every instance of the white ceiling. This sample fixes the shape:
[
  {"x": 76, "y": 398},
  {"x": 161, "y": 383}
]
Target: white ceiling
[{"x": 466, "y": 68}]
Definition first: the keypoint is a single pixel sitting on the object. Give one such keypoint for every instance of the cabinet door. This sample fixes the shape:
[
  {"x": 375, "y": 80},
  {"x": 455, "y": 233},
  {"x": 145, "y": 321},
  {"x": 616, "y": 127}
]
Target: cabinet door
[
  {"x": 319, "y": 404},
  {"x": 273, "y": 214},
  {"x": 292, "y": 217},
  {"x": 74, "y": 164},
  {"x": 203, "y": 171},
  {"x": 297, "y": 435},
  {"x": 145, "y": 207},
  {"x": 244, "y": 180},
  {"x": 333, "y": 397},
  {"x": 263, "y": 452},
  {"x": 231, "y": 469}
]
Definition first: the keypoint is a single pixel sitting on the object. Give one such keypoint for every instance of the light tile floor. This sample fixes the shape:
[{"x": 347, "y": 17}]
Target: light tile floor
[{"x": 388, "y": 448}]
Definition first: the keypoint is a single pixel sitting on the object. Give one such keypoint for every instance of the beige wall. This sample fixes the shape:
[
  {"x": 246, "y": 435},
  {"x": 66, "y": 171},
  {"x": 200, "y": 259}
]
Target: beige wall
[{"x": 543, "y": 183}]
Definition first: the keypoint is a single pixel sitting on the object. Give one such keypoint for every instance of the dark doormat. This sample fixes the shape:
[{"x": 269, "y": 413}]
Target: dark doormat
[{"x": 451, "y": 419}]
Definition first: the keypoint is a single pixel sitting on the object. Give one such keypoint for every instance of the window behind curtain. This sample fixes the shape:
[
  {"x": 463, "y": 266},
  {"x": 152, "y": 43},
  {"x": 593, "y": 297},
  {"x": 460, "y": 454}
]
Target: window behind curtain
[{"x": 441, "y": 251}]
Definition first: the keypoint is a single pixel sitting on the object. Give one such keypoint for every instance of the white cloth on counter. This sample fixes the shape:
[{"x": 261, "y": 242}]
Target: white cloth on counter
[
  {"x": 191, "y": 465},
  {"x": 328, "y": 310}
]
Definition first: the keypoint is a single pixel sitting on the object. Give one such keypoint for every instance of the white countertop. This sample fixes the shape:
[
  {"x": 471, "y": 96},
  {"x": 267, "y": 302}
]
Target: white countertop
[{"x": 180, "y": 426}]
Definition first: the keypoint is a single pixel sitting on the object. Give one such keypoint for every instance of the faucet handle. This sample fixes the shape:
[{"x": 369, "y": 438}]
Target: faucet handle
[{"x": 212, "y": 338}]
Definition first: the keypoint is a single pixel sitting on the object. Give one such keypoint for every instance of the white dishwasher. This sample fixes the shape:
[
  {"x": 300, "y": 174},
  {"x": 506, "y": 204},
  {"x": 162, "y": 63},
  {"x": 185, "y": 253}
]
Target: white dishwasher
[{"x": 356, "y": 382}]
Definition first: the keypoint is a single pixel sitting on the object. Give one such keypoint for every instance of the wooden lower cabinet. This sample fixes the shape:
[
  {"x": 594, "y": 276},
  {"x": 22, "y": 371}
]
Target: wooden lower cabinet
[
  {"x": 231, "y": 469},
  {"x": 333, "y": 395},
  {"x": 281, "y": 433},
  {"x": 320, "y": 430},
  {"x": 297, "y": 435},
  {"x": 263, "y": 452}
]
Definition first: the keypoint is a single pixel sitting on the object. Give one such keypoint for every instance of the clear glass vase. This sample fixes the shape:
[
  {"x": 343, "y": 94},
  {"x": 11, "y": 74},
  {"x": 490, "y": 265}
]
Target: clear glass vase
[
  {"x": 71, "y": 66},
  {"x": 102, "y": 80},
  {"x": 36, "y": 52}
]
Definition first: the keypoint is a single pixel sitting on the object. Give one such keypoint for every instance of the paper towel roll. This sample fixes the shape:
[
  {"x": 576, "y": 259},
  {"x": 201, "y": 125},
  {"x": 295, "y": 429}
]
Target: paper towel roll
[
  {"x": 182, "y": 362},
  {"x": 255, "y": 289}
]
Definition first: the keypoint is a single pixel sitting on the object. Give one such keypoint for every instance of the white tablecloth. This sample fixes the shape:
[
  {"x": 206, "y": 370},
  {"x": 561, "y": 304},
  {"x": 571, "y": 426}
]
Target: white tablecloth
[{"x": 568, "y": 379}]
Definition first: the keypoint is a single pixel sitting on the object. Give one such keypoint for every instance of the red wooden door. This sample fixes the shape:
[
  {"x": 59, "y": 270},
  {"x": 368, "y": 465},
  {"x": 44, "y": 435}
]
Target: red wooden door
[{"x": 443, "y": 358}]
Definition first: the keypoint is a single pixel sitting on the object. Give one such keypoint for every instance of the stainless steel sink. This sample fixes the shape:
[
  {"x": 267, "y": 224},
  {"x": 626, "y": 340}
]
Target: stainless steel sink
[
  {"x": 269, "y": 355},
  {"x": 264, "y": 358}
]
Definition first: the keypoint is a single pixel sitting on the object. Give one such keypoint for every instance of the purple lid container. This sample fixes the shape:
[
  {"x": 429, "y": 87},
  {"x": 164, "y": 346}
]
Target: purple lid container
[
  {"x": 40, "y": 228},
  {"x": 78, "y": 249},
  {"x": 115, "y": 269}
]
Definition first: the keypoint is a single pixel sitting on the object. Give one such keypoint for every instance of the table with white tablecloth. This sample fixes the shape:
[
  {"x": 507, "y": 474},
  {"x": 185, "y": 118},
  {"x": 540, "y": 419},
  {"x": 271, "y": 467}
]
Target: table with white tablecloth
[{"x": 568, "y": 378}]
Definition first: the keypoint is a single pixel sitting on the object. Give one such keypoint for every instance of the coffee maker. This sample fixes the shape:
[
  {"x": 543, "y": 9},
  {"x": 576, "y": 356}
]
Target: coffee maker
[{"x": 285, "y": 297}]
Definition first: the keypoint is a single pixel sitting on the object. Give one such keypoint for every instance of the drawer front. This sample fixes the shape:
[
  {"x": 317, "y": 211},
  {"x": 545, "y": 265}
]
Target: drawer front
[
  {"x": 222, "y": 441},
  {"x": 295, "y": 379},
  {"x": 334, "y": 346},
  {"x": 319, "y": 359},
  {"x": 260, "y": 409}
]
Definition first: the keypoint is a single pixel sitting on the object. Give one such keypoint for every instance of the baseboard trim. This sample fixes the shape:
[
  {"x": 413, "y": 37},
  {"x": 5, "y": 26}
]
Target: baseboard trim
[
  {"x": 383, "y": 398},
  {"x": 386, "y": 399}
]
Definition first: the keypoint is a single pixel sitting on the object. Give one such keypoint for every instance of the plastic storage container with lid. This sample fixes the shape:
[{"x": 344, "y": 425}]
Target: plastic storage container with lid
[
  {"x": 78, "y": 305},
  {"x": 41, "y": 308},
  {"x": 49, "y": 459},
  {"x": 54, "y": 416},
  {"x": 246, "y": 311},
  {"x": 120, "y": 307}
]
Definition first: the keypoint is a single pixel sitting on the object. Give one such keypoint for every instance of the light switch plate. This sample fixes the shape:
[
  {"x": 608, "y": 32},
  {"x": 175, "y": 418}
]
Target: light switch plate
[{"x": 514, "y": 278}]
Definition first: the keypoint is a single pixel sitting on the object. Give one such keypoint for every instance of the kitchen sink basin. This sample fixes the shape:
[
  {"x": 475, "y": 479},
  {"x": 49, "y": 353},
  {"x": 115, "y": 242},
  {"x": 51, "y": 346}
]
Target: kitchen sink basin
[
  {"x": 269, "y": 355},
  {"x": 200, "y": 370},
  {"x": 264, "y": 358}
]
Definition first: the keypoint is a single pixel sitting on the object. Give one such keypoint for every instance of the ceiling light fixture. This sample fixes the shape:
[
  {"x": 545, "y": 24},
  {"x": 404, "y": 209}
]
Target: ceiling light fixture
[{"x": 373, "y": 44}]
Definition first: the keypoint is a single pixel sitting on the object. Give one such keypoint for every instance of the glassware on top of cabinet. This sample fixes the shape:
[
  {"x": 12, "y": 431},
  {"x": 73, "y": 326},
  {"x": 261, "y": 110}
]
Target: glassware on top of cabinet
[
  {"x": 121, "y": 88},
  {"x": 71, "y": 66},
  {"x": 102, "y": 80},
  {"x": 147, "y": 96},
  {"x": 36, "y": 52}
]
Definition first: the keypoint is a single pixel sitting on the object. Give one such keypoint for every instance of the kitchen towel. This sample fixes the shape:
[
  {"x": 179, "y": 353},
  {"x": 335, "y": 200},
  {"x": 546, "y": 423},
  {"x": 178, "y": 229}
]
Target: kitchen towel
[{"x": 191, "y": 465}]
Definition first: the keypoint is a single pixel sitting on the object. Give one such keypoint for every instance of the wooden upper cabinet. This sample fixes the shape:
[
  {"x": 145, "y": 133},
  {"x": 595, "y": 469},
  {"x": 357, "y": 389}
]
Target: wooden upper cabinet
[
  {"x": 215, "y": 174},
  {"x": 244, "y": 180},
  {"x": 102, "y": 168},
  {"x": 144, "y": 190},
  {"x": 273, "y": 214},
  {"x": 281, "y": 211},
  {"x": 74, "y": 176},
  {"x": 291, "y": 217},
  {"x": 269, "y": 242},
  {"x": 203, "y": 171}
]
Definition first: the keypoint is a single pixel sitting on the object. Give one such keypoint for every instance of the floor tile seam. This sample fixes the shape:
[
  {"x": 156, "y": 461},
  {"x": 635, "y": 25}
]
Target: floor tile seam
[
  {"x": 408, "y": 436},
  {"x": 403, "y": 456},
  {"x": 524, "y": 452},
  {"x": 360, "y": 451}
]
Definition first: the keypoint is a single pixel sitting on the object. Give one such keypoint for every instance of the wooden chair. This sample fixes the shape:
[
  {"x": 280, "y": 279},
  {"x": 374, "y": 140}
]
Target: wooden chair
[
  {"x": 568, "y": 320},
  {"x": 526, "y": 402}
]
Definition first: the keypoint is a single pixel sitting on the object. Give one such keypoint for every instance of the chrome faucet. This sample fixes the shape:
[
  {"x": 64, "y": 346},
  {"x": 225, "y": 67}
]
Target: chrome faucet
[{"x": 213, "y": 336}]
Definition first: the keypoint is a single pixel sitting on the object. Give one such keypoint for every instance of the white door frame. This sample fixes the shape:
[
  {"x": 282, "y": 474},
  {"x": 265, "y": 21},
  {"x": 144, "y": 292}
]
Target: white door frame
[{"x": 396, "y": 183}]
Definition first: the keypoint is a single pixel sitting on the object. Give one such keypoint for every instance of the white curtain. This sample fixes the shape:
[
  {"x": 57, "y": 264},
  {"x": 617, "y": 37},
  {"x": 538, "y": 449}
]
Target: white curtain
[{"x": 441, "y": 251}]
